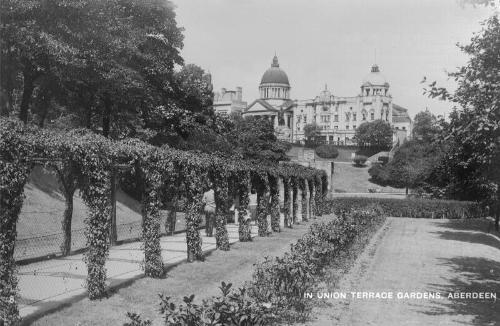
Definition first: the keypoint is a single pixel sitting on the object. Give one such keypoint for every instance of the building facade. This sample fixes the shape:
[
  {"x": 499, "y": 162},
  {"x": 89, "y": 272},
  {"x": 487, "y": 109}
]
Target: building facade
[
  {"x": 229, "y": 101},
  {"x": 337, "y": 116}
]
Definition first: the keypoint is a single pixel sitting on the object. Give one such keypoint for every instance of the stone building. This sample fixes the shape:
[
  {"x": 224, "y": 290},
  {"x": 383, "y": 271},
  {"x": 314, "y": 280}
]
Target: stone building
[
  {"x": 337, "y": 116},
  {"x": 229, "y": 101}
]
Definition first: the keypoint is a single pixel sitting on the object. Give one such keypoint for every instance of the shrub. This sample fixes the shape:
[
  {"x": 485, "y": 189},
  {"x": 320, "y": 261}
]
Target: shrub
[
  {"x": 378, "y": 174},
  {"x": 277, "y": 290},
  {"x": 327, "y": 151},
  {"x": 359, "y": 160},
  {"x": 416, "y": 208}
]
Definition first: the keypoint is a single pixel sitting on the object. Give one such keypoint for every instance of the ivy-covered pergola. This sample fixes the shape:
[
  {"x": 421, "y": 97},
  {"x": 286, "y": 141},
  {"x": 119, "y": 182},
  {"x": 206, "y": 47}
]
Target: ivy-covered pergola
[{"x": 87, "y": 162}]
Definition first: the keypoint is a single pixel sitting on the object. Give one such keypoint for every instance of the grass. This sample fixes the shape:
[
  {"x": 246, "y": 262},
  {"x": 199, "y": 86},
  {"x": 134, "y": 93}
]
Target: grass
[
  {"x": 350, "y": 179},
  {"x": 199, "y": 278}
]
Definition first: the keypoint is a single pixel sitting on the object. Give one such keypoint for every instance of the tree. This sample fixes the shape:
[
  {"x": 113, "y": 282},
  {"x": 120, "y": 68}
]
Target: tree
[
  {"x": 425, "y": 126},
  {"x": 411, "y": 166},
  {"x": 312, "y": 131},
  {"x": 473, "y": 133},
  {"x": 254, "y": 138},
  {"x": 376, "y": 134}
]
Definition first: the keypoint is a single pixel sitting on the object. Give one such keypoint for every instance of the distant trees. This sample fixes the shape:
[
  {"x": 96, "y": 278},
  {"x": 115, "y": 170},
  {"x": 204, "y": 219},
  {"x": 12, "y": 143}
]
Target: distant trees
[
  {"x": 312, "y": 131},
  {"x": 377, "y": 133},
  {"x": 411, "y": 166},
  {"x": 425, "y": 126}
]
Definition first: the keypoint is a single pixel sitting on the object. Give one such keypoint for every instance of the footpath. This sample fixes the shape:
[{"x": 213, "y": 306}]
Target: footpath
[{"x": 49, "y": 284}]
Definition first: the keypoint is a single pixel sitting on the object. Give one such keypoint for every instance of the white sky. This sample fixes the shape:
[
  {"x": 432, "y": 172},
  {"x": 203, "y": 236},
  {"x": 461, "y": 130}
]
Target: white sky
[{"x": 332, "y": 42}]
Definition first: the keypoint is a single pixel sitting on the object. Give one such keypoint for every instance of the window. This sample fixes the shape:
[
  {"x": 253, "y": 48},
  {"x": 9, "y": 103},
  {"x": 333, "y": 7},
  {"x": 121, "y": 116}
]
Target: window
[
  {"x": 335, "y": 127},
  {"x": 404, "y": 128},
  {"x": 325, "y": 118},
  {"x": 354, "y": 127},
  {"x": 354, "y": 117},
  {"x": 397, "y": 128},
  {"x": 364, "y": 117},
  {"x": 305, "y": 118},
  {"x": 347, "y": 127},
  {"x": 336, "y": 118},
  {"x": 372, "y": 116}
]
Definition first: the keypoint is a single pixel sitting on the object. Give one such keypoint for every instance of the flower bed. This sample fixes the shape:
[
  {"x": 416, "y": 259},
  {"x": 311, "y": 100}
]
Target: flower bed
[
  {"x": 277, "y": 290},
  {"x": 417, "y": 208}
]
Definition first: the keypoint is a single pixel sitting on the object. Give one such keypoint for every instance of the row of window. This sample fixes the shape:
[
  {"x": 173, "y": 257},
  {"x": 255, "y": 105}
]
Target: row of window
[{"x": 326, "y": 118}]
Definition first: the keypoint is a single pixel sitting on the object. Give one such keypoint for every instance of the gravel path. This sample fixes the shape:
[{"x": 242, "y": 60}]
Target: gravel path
[{"x": 428, "y": 259}]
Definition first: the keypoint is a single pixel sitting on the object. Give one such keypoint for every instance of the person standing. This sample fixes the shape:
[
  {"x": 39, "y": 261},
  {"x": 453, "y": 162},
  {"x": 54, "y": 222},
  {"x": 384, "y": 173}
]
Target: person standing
[{"x": 209, "y": 210}]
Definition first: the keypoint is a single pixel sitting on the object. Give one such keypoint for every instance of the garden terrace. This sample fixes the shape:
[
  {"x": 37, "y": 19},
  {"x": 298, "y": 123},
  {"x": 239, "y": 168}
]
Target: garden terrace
[{"x": 90, "y": 163}]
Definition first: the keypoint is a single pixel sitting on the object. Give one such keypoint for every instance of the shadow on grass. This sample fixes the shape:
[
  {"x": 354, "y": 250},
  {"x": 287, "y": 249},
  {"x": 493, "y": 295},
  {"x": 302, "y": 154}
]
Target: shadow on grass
[{"x": 472, "y": 275}]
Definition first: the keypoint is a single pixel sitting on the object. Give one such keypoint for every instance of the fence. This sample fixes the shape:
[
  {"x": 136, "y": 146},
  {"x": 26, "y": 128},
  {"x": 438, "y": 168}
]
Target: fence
[{"x": 46, "y": 246}]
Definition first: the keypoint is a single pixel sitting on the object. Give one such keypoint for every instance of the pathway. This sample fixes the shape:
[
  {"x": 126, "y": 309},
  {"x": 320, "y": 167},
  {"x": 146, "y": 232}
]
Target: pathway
[
  {"x": 50, "y": 284},
  {"x": 422, "y": 257}
]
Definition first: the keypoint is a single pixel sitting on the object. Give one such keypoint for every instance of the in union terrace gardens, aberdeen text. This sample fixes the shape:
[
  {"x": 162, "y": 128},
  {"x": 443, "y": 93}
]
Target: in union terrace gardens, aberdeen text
[{"x": 401, "y": 295}]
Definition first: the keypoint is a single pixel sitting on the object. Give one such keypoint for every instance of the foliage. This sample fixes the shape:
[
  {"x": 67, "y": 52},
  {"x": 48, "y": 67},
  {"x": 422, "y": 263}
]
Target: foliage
[
  {"x": 311, "y": 132},
  {"x": 275, "y": 203},
  {"x": 327, "y": 151},
  {"x": 305, "y": 189},
  {"x": 415, "y": 208},
  {"x": 472, "y": 135},
  {"x": 276, "y": 292},
  {"x": 220, "y": 183},
  {"x": 376, "y": 133},
  {"x": 425, "y": 126},
  {"x": 244, "y": 230},
  {"x": 263, "y": 193},
  {"x": 359, "y": 160},
  {"x": 254, "y": 138},
  {"x": 383, "y": 159},
  {"x": 14, "y": 172},
  {"x": 283, "y": 281}
]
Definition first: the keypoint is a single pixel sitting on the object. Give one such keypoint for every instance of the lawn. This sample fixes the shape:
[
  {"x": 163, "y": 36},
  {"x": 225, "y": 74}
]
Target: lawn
[
  {"x": 350, "y": 179},
  {"x": 199, "y": 278}
]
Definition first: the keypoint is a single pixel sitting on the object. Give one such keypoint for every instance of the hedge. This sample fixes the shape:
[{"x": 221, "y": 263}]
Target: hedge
[
  {"x": 415, "y": 208},
  {"x": 276, "y": 293}
]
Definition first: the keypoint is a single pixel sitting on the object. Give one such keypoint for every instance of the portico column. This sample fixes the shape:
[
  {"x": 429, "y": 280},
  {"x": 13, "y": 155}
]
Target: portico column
[
  {"x": 282, "y": 202},
  {"x": 308, "y": 203}
]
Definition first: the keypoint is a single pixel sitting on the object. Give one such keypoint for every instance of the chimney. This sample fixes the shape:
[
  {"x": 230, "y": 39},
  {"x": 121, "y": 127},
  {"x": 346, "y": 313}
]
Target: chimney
[{"x": 239, "y": 93}]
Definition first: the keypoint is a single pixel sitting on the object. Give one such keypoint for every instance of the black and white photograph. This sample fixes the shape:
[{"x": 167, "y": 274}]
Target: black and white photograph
[{"x": 249, "y": 162}]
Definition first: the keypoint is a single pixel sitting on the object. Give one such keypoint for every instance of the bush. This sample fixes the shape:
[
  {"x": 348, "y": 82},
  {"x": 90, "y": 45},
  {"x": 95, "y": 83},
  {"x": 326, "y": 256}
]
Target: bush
[
  {"x": 276, "y": 293},
  {"x": 378, "y": 174},
  {"x": 327, "y": 151},
  {"x": 416, "y": 208},
  {"x": 359, "y": 160}
]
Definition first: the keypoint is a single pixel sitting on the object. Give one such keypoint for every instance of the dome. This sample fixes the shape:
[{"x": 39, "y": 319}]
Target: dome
[
  {"x": 375, "y": 78},
  {"x": 275, "y": 75}
]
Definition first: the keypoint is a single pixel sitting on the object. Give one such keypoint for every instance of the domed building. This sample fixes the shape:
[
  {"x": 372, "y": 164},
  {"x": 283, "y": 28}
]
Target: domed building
[
  {"x": 337, "y": 116},
  {"x": 274, "y": 102}
]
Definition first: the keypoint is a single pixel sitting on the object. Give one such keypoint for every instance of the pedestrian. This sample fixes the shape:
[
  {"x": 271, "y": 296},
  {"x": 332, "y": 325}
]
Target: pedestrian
[{"x": 209, "y": 210}]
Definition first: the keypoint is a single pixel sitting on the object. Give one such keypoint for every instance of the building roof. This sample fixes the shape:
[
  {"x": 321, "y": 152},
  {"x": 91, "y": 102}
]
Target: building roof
[
  {"x": 275, "y": 75},
  {"x": 375, "y": 78},
  {"x": 399, "y": 114}
]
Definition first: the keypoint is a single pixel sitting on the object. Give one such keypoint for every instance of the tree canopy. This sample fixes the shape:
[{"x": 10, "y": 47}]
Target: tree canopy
[{"x": 376, "y": 133}]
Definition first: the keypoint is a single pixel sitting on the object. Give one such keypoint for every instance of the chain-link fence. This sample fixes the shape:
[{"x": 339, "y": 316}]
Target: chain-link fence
[{"x": 45, "y": 246}]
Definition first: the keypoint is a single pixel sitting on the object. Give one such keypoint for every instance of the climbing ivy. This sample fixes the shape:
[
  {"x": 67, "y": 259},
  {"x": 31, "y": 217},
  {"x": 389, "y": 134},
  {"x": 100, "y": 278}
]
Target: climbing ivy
[
  {"x": 244, "y": 230},
  {"x": 220, "y": 184},
  {"x": 275, "y": 203}
]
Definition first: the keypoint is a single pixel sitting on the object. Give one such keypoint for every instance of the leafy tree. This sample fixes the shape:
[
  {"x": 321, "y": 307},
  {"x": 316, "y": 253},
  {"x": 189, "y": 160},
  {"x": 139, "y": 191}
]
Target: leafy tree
[
  {"x": 425, "y": 126},
  {"x": 473, "y": 133},
  {"x": 377, "y": 134},
  {"x": 254, "y": 138},
  {"x": 312, "y": 131},
  {"x": 327, "y": 151}
]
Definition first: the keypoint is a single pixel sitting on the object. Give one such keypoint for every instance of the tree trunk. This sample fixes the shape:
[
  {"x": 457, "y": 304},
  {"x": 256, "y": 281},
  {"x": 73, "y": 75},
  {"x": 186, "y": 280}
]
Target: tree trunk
[
  {"x": 113, "y": 235},
  {"x": 88, "y": 117},
  {"x": 28, "y": 87},
  {"x": 406, "y": 191},
  {"x": 66, "y": 223}
]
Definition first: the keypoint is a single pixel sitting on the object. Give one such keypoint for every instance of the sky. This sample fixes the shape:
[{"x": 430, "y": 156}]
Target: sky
[{"x": 333, "y": 42}]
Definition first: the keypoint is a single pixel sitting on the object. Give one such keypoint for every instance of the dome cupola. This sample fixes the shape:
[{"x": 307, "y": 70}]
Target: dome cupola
[
  {"x": 274, "y": 83},
  {"x": 374, "y": 83}
]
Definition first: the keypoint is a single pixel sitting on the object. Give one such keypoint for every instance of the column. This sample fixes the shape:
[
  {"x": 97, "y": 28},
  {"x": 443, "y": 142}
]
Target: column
[{"x": 299, "y": 205}]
